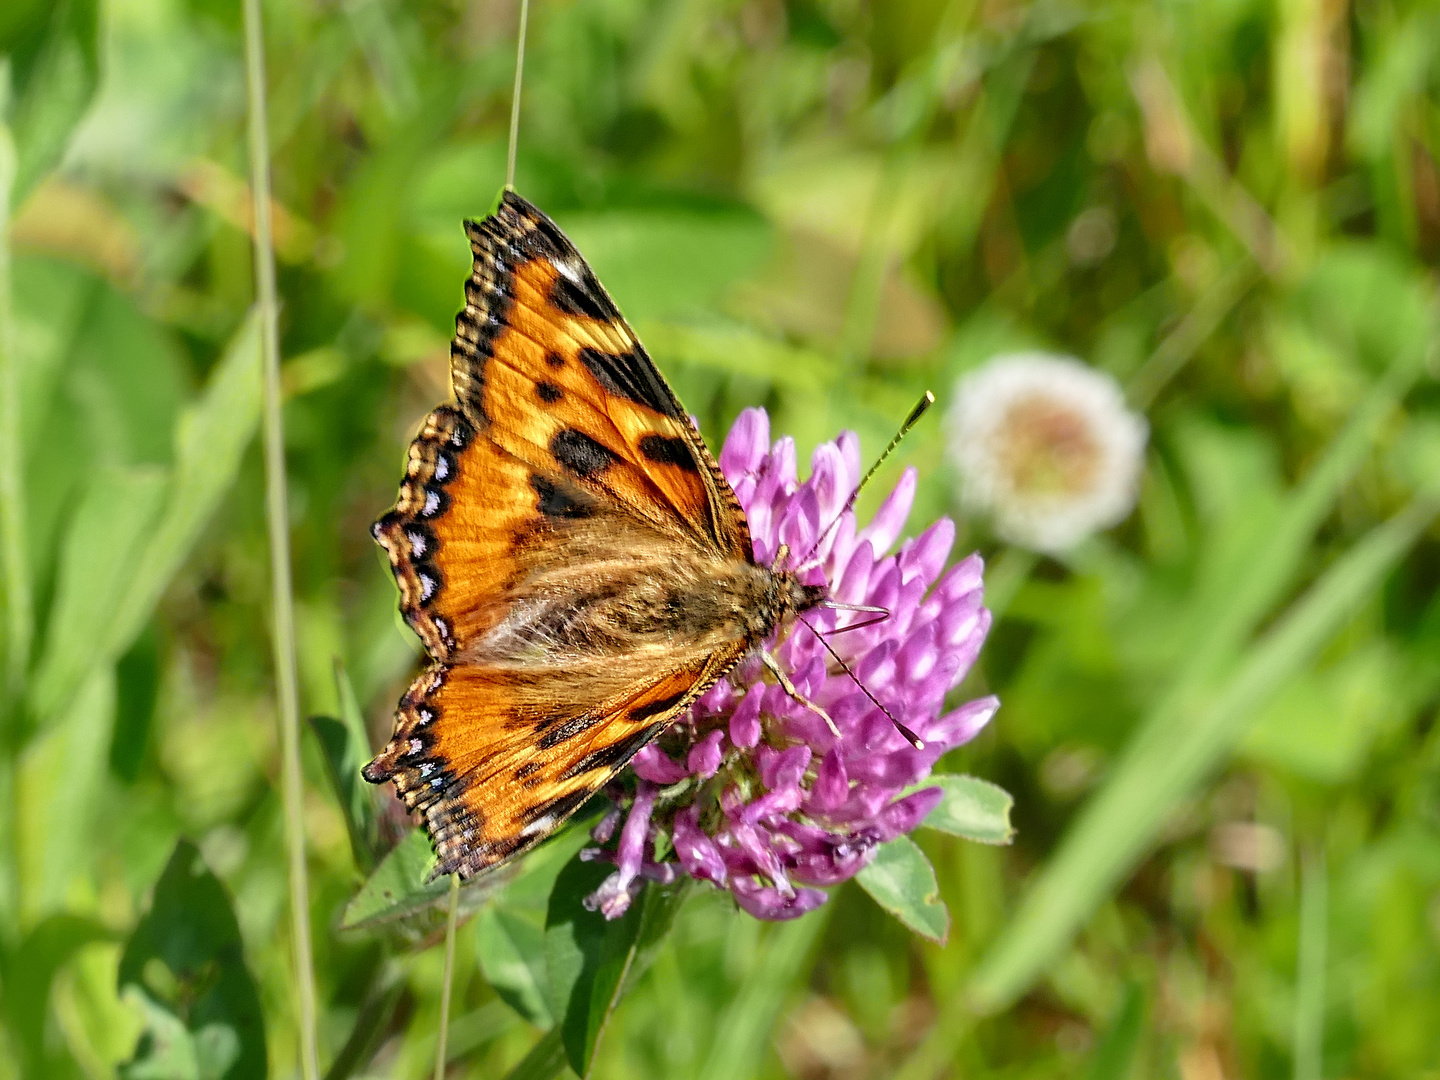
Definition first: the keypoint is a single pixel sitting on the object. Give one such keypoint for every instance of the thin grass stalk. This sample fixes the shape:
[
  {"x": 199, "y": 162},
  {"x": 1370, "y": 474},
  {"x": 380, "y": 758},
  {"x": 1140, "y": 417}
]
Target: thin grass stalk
[
  {"x": 14, "y": 566},
  {"x": 1181, "y": 344},
  {"x": 514, "y": 144},
  {"x": 443, "y": 1039},
  {"x": 19, "y": 615},
  {"x": 1309, "y": 1034},
  {"x": 282, "y": 594}
]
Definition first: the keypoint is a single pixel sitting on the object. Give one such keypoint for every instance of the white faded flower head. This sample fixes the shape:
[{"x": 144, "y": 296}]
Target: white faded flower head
[{"x": 1046, "y": 448}]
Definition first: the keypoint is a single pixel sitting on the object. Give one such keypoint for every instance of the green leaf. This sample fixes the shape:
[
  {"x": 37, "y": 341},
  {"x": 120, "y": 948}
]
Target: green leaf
[
  {"x": 973, "y": 808},
  {"x": 172, "y": 1051},
  {"x": 211, "y": 437},
  {"x": 109, "y": 530},
  {"x": 53, "y": 48},
  {"x": 1115, "y": 1055},
  {"x": 511, "y": 948},
  {"x": 28, "y": 977},
  {"x": 60, "y": 780},
  {"x": 586, "y": 958},
  {"x": 185, "y": 965},
  {"x": 902, "y": 881},
  {"x": 210, "y": 441},
  {"x": 399, "y": 885},
  {"x": 345, "y": 748},
  {"x": 546, "y": 1059},
  {"x": 510, "y": 933},
  {"x": 591, "y": 961}
]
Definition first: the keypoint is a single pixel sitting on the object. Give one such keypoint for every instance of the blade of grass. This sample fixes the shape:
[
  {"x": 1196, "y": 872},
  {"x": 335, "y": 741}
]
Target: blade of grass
[
  {"x": 19, "y": 618},
  {"x": 1150, "y": 782},
  {"x": 741, "y": 1029},
  {"x": 283, "y": 600},
  {"x": 1153, "y": 779},
  {"x": 1181, "y": 344},
  {"x": 1310, "y": 969},
  {"x": 447, "y": 978},
  {"x": 1226, "y": 619},
  {"x": 370, "y": 1023}
]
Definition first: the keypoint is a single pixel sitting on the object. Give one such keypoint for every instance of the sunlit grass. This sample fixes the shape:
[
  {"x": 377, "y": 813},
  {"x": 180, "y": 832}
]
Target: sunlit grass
[{"x": 823, "y": 208}]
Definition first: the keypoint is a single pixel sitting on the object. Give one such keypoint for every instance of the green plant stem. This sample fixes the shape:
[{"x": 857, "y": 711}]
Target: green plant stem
[
  {"x": 282, "y": 594},
  {"x": 19, "y": 616},
  {"x": 450, "y": 918}
]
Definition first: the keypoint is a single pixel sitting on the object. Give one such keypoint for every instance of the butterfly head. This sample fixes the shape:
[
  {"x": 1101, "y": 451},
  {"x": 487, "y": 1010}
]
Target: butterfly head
[{"x": 788, "y": 593}]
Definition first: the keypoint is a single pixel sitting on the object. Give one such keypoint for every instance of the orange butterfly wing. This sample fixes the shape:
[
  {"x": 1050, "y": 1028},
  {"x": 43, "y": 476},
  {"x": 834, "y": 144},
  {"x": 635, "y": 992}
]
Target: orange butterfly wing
[
  {"x": 565, "y": 470},
  {"x": 545, "y": 363},
  {"x": 493, "y": 763}
]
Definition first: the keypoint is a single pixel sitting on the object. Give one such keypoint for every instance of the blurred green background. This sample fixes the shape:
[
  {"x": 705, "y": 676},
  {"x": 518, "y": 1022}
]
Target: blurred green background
[{"x": 1218, "y": 719}]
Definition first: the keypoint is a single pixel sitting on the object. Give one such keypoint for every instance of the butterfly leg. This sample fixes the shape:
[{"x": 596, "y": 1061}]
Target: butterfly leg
[{"x": 789, "y": 688}]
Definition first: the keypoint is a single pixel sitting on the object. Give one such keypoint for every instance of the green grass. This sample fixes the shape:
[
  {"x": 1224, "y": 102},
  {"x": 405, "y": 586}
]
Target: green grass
[{"x": 824, "y": 207}]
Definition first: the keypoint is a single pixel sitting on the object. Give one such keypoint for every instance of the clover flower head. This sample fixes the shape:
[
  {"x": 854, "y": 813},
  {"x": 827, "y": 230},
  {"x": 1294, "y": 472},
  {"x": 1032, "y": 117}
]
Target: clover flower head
[
  {"x": 1046, "y": 448},
  {"x": 752, "y": 791}
]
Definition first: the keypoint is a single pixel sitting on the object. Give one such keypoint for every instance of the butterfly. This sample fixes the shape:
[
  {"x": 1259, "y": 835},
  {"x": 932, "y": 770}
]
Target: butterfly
[{"x": 568, "y": 551}]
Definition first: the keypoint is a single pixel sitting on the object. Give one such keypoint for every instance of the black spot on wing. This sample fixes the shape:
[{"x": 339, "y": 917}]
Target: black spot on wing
[
  {"x": 548, "y": 392},
  {"x": 581, "y": 454},
  {"x": 614, "y": 755},
  {"x": 583, "y": 297},
  {"x": 669, "y": 450},
  {"x": 644, "y": 712},
  {"x": 558, "y": 500},
  {"x": 631, "y": 375},
  {"x": 554, "y": 359},
  {"x": 568, "y": 730}
]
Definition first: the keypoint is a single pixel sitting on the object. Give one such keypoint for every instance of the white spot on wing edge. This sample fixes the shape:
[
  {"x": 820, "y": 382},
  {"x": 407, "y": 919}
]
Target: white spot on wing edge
[{"x": 569, "y": 269}]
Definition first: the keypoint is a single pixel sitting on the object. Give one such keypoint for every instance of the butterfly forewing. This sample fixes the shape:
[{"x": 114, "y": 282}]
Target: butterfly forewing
[{"x": 566, "y": 548}]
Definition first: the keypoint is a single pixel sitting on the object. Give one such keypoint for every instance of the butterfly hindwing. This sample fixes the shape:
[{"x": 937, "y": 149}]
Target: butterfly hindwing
[
  {"x": 449, "y": 537},
  {"x": 493, "y": 758}
]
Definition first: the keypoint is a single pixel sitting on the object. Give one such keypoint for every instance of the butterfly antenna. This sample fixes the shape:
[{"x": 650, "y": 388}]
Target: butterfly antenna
[
  {"x": 515, "y": 97},
  {"x": 926, "y": 400},
  {"x": 910, "y": 736},
  {"x": 880, "y": 613}
]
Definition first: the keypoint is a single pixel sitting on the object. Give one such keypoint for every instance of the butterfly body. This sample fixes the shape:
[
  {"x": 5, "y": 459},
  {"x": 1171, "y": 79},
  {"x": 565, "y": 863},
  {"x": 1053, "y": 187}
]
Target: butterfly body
[{"x": 568, "y": 551}]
